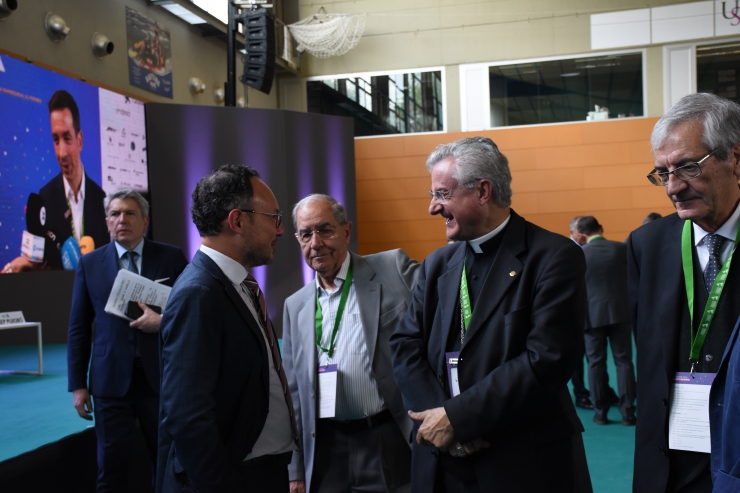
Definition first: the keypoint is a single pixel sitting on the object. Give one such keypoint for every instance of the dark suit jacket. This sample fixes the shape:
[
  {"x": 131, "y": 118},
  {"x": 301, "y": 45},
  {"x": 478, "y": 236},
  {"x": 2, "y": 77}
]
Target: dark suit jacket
[
  {"x": 113, "y": 347},
  {"x": 521, "y": 348},
  {"x": 93, "y": 214},
  {"x": 606, "y": 282},
  {"x": 724, "y": 410},
  {"x": 383, "y": 283},
  {"x": 659, "y": 313},
  {"x": 215, "y": 383}
]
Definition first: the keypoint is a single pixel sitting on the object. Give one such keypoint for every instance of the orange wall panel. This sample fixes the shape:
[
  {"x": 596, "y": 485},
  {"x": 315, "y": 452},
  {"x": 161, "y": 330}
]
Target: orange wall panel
[{"x": 558, "y": 171}]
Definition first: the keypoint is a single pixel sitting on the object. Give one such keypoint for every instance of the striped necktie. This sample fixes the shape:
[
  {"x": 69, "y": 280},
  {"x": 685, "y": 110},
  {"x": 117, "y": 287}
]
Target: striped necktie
[{"x": 258, "y": 298}]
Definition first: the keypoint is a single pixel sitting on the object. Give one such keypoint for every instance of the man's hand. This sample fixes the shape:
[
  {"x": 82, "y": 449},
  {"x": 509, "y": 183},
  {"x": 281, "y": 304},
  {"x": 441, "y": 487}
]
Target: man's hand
[
  {"x": 297, "y": 487},
  {"x": 83, "y": 404},
  {"x": 435, "y": 428},
  {"x": 20, "y": 264},
  {"x": 149, "y": 321},
  {"x": 459, "y": 450}
]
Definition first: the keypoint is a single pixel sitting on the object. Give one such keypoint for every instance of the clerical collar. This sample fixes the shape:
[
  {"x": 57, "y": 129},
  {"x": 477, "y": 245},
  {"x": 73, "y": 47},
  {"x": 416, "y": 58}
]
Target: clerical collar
[
  {"x": 476, "y": 243},
  {"x": 727, "y": 230}
]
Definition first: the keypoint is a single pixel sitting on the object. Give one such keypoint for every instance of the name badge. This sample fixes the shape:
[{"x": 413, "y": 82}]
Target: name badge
[
  {"x": 327, "y": 391},
  {"x": 688, "y": 423},
  {"x": 451, "y": 359}
]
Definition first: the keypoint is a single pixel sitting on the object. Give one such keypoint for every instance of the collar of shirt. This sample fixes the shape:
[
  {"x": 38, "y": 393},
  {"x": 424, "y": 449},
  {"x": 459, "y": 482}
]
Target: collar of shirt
[
  {"x": 476, "y": 243},
  {"x": 230, "y": 267},
  {"x": 138, "y": 248},
  {"x": 70, "y": 194},
  {"x": 727, "y": 230},
  {"x": 339, "y": 278}
]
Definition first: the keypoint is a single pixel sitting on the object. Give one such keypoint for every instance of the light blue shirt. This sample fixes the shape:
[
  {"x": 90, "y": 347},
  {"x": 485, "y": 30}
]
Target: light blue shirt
[{"x": 123, "y": 264}]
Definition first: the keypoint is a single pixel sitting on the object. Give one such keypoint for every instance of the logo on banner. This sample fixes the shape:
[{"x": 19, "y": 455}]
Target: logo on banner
[
  {"x": 734, "y": 13},
  {"x": 152, "y": 80}
]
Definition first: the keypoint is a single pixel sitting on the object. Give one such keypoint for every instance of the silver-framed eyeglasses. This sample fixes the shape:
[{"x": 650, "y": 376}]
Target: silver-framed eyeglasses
[
  {"x": 442, "y": 195},
  {"x": 325, "y": 233},
  {"x": 278, "y": 217},
  {"x": 685, "y": 172}
]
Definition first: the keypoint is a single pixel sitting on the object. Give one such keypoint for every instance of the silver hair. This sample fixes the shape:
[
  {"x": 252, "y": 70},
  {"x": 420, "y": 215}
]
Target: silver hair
[
  {"x": 340, "y": 215},
  {"x": 127, "y": 194},
  {"x": 574, "y": 222},
  {"x": 477, "y": 158},
  {"x": 719, "y": 117}
]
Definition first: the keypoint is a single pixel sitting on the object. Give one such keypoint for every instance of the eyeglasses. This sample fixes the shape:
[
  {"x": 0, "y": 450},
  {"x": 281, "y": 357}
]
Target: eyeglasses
[
  {"x": 685, "y": 172},
  {"x": 277, "y": 217},
  {"x": 326, "y": 233},
  {"x": 442, "y": 195}
]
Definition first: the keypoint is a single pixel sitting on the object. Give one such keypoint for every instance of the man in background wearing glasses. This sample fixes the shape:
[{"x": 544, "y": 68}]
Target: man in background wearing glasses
[
  {"x": 354, "y": 428},
  {"x": 683, "y": 292},
  {"x": 226, "y": 418},
  {"x": 493, "y": 334}
]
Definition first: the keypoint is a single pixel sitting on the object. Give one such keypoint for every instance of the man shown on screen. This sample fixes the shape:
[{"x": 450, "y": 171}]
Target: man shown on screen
[{"x": 73, "y": 202}]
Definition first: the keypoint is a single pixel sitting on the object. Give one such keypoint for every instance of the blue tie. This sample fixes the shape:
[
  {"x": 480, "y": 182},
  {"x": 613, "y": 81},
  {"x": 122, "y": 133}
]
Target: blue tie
[
  {"x": 714, "y": 245},
  {"x": 130, "y": 258}
]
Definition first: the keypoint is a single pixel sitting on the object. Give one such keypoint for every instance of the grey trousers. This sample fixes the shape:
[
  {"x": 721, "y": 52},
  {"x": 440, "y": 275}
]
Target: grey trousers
[{"x": 620, "y": 340}]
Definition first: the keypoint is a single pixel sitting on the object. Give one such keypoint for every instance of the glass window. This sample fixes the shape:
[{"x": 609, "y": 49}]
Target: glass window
[
  {"x": 566, "y": 90},
  {"x": 717, "y": 69},
  {"x": 382, "y": 104}
]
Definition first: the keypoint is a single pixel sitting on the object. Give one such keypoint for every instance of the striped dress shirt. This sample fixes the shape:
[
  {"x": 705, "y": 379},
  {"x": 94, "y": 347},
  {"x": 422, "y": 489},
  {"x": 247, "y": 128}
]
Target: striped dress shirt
[{"x": 357, "y": 390}]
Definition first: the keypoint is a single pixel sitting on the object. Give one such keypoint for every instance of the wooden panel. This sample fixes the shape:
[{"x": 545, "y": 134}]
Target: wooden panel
[{"x": 558, "y": 171}]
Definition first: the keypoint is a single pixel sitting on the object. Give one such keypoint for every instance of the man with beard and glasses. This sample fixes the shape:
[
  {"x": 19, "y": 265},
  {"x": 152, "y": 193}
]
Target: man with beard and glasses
[{"x": 226, "y": 416}]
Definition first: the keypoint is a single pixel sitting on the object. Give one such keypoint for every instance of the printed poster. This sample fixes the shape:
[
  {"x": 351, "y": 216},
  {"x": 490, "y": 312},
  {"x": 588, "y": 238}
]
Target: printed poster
[{"x": 149, "y": 54}]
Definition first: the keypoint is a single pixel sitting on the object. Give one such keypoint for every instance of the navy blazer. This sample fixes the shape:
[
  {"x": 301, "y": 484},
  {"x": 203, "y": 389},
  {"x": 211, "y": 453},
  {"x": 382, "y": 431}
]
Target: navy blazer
[
  {"x": 724, "y": 419},
  {"x": 59, "y": 220},
  {"x": 215, "y": 383},
  {"x": 521, "y": 348},
  {"x": 112, "y": 361}
]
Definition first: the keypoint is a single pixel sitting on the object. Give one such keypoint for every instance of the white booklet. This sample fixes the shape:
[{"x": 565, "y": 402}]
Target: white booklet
[{"x": 132, "y": 287}]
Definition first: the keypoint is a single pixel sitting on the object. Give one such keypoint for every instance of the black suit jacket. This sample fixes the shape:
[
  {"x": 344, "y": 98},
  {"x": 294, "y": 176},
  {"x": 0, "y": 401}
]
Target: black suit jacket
[
  {"x": 215, "y": 383},
  {"x": 113, "y": 340},
  {"x": 606, "y": 282},
  {"x": 521, "y": 347},
  {"x": 93, "y": 214},
  {"x": 659, "y": 313}
]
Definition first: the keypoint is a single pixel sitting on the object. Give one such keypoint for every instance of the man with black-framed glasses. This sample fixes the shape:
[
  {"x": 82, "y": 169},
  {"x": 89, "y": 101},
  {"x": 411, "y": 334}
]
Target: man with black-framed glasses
[
  {"x": 683, "y": 287},
  {"x": 226, "y": 417},
  {"x": 354, "y": 428}
]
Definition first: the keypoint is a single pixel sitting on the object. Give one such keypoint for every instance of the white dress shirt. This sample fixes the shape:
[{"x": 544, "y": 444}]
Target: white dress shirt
[
  {"x": 76, "y": 205},
  {"x": 277, "y": 434},
  {"x": 728, "y": 230}
]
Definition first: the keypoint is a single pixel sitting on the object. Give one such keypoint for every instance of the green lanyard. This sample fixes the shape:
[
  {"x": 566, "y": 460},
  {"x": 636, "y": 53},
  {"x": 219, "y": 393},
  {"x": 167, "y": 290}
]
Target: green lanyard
[
  {"x": 465, "y": 311},
  {"x": 687, "y": 252},
  {"x": 340, "y": 312}
]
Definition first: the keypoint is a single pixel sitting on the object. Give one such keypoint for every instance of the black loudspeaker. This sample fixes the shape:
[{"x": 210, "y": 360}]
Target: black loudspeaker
[{"x": 259, "y": 62}]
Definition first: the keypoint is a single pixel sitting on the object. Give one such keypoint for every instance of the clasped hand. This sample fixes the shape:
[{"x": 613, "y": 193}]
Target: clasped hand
[{"x": 436, "y": 430}]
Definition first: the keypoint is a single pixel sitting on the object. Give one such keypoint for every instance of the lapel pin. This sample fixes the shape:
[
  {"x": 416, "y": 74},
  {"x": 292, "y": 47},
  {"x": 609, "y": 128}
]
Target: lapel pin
[{"x": 512, "y": 273}]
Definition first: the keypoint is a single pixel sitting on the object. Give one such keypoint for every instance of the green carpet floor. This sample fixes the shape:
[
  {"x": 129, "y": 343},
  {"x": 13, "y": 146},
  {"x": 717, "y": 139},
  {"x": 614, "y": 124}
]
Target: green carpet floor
[
  {"x": 610, "y": 449},
  {"x": 37, "y": 410}
]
